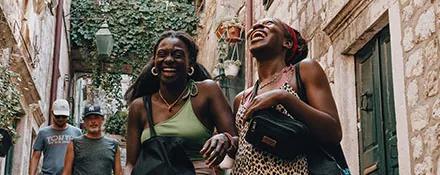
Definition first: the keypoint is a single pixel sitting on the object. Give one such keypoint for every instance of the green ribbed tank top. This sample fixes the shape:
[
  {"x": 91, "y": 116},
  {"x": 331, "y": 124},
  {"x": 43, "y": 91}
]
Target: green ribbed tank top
[{"x": 183, "y": 124}]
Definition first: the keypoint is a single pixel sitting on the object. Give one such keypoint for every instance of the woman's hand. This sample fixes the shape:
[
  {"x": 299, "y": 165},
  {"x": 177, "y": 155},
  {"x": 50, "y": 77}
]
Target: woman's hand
[
  {"x": 215, "y": 149},
  {"x": 265, "y": 100}
]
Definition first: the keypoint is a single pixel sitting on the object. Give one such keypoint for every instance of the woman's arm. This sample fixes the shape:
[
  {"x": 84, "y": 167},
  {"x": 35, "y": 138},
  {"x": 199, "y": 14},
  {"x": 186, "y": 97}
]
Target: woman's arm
[
  {"x": 216, "y": 148},
  {"x": 231, "y": 153},
  {"x": 320, "y": 114},
  {"x": 117, "y": 167},
  {"x": 221, "y": 110},
  {"x": 134, "y": 129}
]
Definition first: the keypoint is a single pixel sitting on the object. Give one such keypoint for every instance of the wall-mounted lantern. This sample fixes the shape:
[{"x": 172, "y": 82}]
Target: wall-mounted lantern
[{"x": 104, "y": 41}]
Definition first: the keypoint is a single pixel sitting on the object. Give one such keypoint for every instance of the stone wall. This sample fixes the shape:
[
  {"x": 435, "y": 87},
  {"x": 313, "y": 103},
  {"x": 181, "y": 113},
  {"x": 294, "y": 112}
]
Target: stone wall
[
  {"x": 32, "y": 27},
  {"x": 421, "y": 38},
  {"x": 335, "y": 31},
  {"x": 27, "y": 46}
]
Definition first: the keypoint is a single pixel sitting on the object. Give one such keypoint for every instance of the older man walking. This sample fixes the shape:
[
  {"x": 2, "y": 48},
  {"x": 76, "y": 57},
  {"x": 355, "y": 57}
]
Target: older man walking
[{"x": 93, "y": 153}]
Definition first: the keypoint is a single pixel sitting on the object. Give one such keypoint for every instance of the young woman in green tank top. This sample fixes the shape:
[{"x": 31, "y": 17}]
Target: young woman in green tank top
[{"x": 185, "y": 103}]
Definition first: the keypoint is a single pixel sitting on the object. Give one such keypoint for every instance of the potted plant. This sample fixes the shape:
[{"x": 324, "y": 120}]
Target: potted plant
[
  {"x": 232, "y": 67},
  {"x": 230, "y": 30},
  {"x": 230, "y": 63}
]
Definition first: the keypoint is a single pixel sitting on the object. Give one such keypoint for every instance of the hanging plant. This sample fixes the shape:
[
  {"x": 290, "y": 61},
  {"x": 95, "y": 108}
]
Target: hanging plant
[
  {"x": 10, "y": 107},
  {"x": 229, "y": 34},
  {"x": 232, "y": 65},
  {"x": 229, "y": 58},
  {"x": 230, "y": 30},
  {"x": 232, "y": 68}
]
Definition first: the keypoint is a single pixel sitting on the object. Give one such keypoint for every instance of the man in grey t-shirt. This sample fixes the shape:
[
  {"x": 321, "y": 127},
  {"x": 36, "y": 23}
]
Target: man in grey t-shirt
[
  {"x": 93, "y": 153},
  {"x": 52, "y": 141}
]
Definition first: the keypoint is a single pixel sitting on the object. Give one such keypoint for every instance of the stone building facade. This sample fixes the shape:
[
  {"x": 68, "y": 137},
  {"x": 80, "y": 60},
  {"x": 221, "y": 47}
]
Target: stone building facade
[
  {"x": 339, "y": 32},
  {"x": 29, "y": 46}
]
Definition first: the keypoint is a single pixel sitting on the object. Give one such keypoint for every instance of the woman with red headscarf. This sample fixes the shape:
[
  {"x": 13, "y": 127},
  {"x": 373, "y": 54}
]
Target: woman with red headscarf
[{"x": 280, "y": 53}]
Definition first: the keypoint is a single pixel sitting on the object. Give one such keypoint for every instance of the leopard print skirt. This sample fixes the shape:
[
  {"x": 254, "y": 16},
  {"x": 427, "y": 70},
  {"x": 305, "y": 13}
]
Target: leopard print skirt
[{"x": 250, "y": 161}]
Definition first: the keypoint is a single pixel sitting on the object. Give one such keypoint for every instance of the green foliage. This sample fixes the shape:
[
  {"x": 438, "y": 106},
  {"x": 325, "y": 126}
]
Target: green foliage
[
  {"x": 10, "y": 108},
  {"x": 111, "y": 84},
  {"x": 116, "y": 124},
  {"x": 135, "y": 25},
  {"x": 71, "y": 121}
]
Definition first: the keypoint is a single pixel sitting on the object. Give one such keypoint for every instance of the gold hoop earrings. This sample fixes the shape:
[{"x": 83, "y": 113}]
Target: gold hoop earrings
[
  {"x": 154, "y": 71},
  {"x": 191, "y": 71}
]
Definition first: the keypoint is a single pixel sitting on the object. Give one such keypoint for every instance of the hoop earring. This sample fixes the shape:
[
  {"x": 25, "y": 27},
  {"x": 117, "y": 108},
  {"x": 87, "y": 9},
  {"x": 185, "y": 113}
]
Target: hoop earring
[
  {"x": 191, "y": 72},
  {"x": 154, "y": 71}
]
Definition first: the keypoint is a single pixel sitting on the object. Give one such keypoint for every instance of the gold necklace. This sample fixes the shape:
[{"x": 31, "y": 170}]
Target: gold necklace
[
  {"x": 275, "y": 76},
  {"x": 170, "y": 106}
]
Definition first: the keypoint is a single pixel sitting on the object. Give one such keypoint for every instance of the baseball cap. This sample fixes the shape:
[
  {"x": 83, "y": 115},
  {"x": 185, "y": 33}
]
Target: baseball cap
[
  {"x": 92, "y": 109},
  {"x": 61, "y": 107}
]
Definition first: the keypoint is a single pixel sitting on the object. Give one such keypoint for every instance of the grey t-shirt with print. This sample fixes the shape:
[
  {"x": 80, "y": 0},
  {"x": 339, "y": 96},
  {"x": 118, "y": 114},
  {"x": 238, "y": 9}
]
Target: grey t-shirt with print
[
  {"x": 53, "y": 144},
  {"x": 94, "y": 156}
]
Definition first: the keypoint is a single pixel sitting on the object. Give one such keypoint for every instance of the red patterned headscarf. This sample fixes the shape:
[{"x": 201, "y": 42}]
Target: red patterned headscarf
[{"x": 295, "y": 47}]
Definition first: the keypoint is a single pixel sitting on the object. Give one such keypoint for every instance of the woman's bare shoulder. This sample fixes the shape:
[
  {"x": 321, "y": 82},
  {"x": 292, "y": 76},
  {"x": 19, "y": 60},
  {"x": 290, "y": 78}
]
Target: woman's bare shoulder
[
  {"x": 208, "y": 86},
  {"x": 137, "y": 105},
  {"x": 311, "y": 70},
  {"x": 312, "y": 74},
  {"x": 208, "y": 83}
]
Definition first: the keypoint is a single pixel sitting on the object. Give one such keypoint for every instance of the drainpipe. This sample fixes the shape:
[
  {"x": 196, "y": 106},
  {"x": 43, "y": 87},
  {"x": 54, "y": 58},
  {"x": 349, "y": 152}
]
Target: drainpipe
[
  {"x": 249, "y": 60},
  {"x": 56, "y": 57}
]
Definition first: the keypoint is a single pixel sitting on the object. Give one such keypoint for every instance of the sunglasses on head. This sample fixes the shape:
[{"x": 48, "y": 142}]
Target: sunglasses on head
[{"x": 61, "y": 116}]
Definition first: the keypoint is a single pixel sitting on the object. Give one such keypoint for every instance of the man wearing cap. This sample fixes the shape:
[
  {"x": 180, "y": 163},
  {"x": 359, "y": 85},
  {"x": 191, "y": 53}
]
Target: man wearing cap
[
  {"x": 52, "y": 141},
  {"x": 93, "y": 153}
]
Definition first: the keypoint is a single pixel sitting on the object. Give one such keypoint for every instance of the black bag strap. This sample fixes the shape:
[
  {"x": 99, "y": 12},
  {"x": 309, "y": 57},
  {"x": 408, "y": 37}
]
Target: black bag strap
[
  {"x": 255, "y": 89},
  {"x": 147, "y": 103},
  {"x": 301, "y": 90}
]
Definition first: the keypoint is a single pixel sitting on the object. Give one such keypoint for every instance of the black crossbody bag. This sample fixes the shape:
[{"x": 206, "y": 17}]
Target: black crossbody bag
[
  {"x": 285, "y": 137},
  {"x": 272, "y": 131},
  {"x": 162, "y": 155}
]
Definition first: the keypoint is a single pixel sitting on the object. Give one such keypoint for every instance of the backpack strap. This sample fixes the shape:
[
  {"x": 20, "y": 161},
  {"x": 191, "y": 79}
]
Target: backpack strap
[{"x": 147, "y": 104}]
